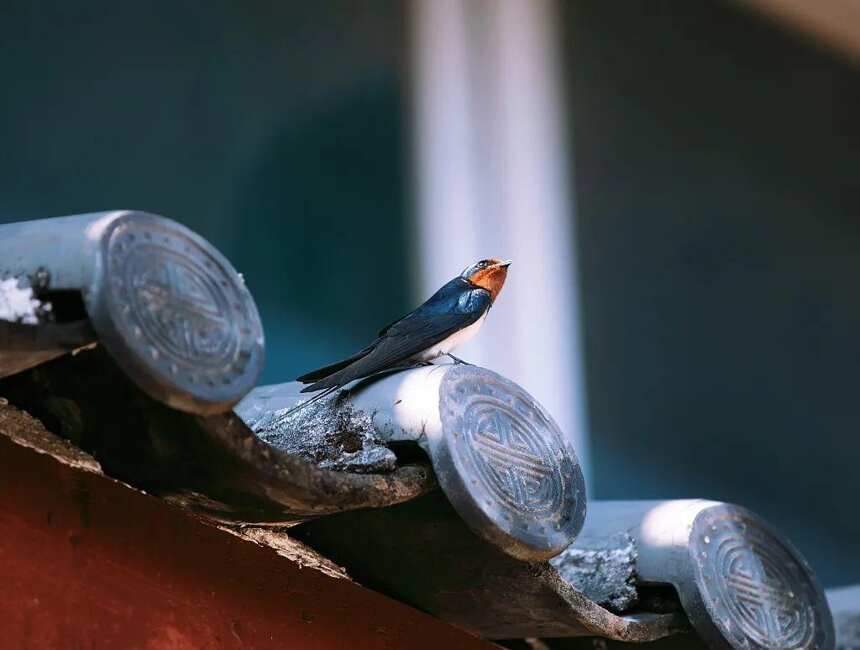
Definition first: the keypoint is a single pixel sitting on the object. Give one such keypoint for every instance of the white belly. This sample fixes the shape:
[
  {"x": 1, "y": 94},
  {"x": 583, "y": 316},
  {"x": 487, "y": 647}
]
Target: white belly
[{"x": 453, "y": 341}]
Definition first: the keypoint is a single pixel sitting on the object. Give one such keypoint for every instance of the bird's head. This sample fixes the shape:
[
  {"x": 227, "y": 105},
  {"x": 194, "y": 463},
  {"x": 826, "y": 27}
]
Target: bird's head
[{"x": 488, "y": 274}]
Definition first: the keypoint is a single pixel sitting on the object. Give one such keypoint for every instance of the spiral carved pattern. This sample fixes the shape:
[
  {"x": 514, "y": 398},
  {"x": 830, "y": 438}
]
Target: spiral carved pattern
[
  {"x": 761, "y": 594},
  {"x": 181, "y": 309},
  {"x": 506, "y": 465},
  {"x": 514, "y": 461}
]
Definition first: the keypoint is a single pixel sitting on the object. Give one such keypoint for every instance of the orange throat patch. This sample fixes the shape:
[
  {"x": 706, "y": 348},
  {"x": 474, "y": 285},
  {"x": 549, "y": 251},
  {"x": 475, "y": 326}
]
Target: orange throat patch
[{"x": 492, "y": 279}]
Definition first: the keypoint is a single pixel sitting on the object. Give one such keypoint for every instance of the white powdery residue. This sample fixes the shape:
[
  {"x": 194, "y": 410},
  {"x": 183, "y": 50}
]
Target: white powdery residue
[
  {"x": 17, "y": 303},
  {"x": 605, "y": 574},
  {"x": 329, "y": 433}
]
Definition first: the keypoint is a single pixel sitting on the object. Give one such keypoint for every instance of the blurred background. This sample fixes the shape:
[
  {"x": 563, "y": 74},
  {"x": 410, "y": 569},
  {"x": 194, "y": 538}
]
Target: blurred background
[{"x": 676, "y": 181}]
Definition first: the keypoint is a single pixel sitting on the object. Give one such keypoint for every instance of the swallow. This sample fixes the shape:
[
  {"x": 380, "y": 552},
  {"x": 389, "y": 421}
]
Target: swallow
[{"x": 452, "y": 316}]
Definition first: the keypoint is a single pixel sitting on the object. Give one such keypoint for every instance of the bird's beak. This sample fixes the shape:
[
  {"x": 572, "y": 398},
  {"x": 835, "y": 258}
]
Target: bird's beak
[{"x": 504, "y": 264}]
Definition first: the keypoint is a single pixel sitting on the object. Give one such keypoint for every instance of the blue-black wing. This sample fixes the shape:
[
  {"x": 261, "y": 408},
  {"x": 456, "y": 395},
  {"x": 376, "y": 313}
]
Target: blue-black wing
[{"x": 455, "y": 306}]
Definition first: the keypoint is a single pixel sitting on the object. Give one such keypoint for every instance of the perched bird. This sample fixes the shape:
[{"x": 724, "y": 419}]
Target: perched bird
[{"x": 451, "y": 316}]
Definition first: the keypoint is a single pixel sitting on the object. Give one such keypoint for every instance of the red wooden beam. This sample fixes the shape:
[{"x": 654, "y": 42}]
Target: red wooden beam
[{"x": 87, "y": 562}]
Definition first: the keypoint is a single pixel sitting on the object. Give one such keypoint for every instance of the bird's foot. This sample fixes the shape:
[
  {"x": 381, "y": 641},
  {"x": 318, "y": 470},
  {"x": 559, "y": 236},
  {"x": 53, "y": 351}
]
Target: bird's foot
[{"x": 457, "y": 360}]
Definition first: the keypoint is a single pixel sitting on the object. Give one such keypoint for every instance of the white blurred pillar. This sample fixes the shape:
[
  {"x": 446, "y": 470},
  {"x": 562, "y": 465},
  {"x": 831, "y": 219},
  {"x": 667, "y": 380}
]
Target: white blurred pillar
[{"x": 493, "y": 180}]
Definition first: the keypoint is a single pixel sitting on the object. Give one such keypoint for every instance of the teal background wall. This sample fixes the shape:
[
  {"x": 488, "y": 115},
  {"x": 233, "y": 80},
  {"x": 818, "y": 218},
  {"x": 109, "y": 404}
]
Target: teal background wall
[
  {"x": 717, "y": 162},
  {"x": 274, "y": 129}
]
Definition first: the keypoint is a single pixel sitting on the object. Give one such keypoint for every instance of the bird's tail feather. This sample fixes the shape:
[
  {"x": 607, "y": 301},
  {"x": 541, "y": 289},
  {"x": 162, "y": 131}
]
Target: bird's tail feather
[
  {"x": 326, "y": 371},
  {"x": 352, "y": 373},
  {"x": 330, "y": 381}
]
